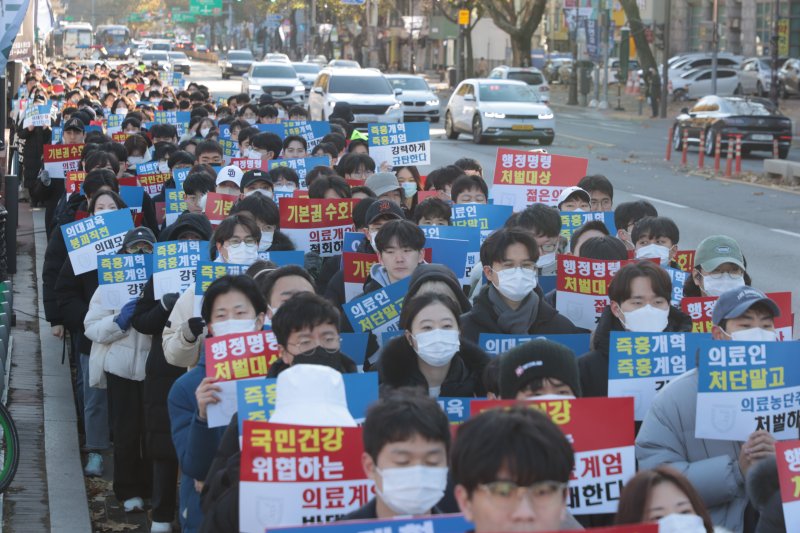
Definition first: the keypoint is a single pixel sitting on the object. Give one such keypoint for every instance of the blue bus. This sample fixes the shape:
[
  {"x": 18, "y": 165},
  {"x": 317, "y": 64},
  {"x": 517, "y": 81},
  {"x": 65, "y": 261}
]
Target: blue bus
[{"x": 114, "y": 40}]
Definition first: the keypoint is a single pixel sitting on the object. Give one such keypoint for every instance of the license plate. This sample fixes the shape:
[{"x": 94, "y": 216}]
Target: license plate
[
  {"x": 522, "y": 127},
  {"x": 761, "y": 137},
  {"x": 278, "y": 93},
  {"x": 366, "y": 118}
]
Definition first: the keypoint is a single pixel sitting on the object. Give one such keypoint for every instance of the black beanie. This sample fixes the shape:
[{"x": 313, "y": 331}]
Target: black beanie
[{"x": 539, "y": 358}]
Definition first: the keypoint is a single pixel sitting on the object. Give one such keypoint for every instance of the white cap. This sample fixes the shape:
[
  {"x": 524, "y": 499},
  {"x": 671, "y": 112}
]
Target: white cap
[
  {"x": 311, "y": 395},
  {"x": 230, "y": 173},
  {"x": 566, "y": 193}
]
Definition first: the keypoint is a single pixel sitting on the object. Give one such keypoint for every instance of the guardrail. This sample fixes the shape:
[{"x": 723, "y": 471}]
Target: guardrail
[{"x": 9, "y": 218}]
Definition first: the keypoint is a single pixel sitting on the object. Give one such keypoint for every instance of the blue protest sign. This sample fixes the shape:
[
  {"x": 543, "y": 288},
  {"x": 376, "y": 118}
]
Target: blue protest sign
[
  {"x": 485, "y": 217},
  {"x": 429, "y": 524},
  {"x": 352, "y": 241},
  {"x": 301, "y": 166},
  {"x": 277, "y": 129},
  {"x": 283, "y": 258},
  {"x": 461, "y": 233},
  {"x": 311, "y": 130},
  {"x": 450, "y": 253},
  {"x": 172, "y": 117},
  {"x": 175, "y": 263},
  {"x": 354, "y": 346},
  {"x": 456, "y": 409},
  {"x": 179, "y": 176},
  {"x": 96, "y": 235},
  {"x": 175, "y": 204},
  {"x": 403, "y": 143},
  {"x": 378, "y": 311},
  {"x": 571, "y": 221},
  {"x": 122, "y": 277},
  {"x": 132, "y": 196},
  {"x": 678, "y": 278},
  {"x": 497, "y": 343}
]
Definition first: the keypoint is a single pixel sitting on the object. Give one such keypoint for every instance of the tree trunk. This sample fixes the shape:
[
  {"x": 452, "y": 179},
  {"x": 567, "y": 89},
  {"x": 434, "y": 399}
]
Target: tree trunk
[
  {"x": 643, "y": 51},
  {"x": 521, "y": 48},
  {"x": 470, "y": 58}
]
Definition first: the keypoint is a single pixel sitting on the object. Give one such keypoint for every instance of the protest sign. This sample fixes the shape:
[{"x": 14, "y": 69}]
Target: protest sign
[
  {"x": 294, "y": 475},
  {"x": 175, "y": 265},
  {"x": 172, "y": 117},
  {"x": 120, "y": 136},
  {"x": 75, "y": 179},
  {"x": 354, "y": 346},
  {"x": 460, "y": 233},
  {"x": 582, "y": 288},
  {"x": 601, "y": 433},
  {"x": 685, "y": 259},
  {"x": 56, "y": 134},
  {"x": 301, "y": 166},
  {"x": 571, "y": 221},
  {"x": 497, "y": 343},
  {"x": 522, "y": 178},
  {"x": 151, "y": 178},
  {"x": 439, "y": 523},
  {"x": 450, "y": 253},
  {"x": 677, "y": 278},
  {"x": 62, "y": 158},
  {"x": 114, "y": 123},
  {"x": 38, "y": 115},
  {"x": 641, "y": 364},
  {"x": 485, "y": 217},
  {"x": 356, "y": 267},
  {"x": 456, "y": 409},
  {"x": 353, "y": 241},
  {"x": 179, "y": 176},
  {"x": 234, "y": 357},
  {"x": 122, "y": 277},
  {"x": 206, "y": 273},
  {"x": 701, "y": 309},
  {"x": 787, "y": 455},
  {"x": 218, "y": 206},
  {"x": 175, "y": 202},
  {"x": 311, "y": 130},
  {"x": 747, "y": 386},
  {"x": 230, "y": 150},
  {"x": 317, "y": 225},
  {"x": 95, "y": 235},
  {"x": 255, "y": 398},
  {"x": 133, "y": 197},
  {"x": 284, "y": 257},
  {"x": 378, "y": 311},
  {"x": 400, "y": 144},
  {"x": 249, "y": 164}
]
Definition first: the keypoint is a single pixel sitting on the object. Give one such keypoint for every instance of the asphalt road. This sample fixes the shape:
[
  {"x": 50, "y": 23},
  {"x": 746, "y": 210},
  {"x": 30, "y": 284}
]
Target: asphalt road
[{"x": 765, "y": 221}]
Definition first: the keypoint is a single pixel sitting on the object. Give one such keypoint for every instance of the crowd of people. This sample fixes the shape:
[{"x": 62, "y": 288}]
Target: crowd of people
[{"x": 142, "y": 391}]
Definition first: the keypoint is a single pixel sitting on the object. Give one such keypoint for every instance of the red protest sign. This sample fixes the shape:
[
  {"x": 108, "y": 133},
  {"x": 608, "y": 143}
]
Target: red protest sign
[
  {"x": 424, "y": 195},
  {"x": 74, "y": 180},
  {"x": 249, "y": 164},
  {"x": 218, "y": 206},
  {"x": 701, "y": 309},
  {"x": 356, "y": 267},
  {"x": 317, "y": 225},
  {"x": 128, "y": 182},
  {"x": 240, "y": 355},
  {"x": 787, "y": 455},
  {"x": 685, "y": 259},
  {"x": 120, "y": 136},
  {"x": 62, "y": 158}
]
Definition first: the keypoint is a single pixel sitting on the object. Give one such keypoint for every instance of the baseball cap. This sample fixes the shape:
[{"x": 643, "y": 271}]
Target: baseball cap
[
  {"x": 735, "y": 302},
  {"x": 252, "y": 176},
  {"x": 539, "y": 358},
  {"x": 140, "y": 234},
  {"x": 74, "y": 124},
  {"x": 382, "y": 182},
  {"x": 383, "y": 208},
  {"x": 569, "y": 191},
  {"x": 230, "y": 173},
  {"x": 717, "y": 250}
]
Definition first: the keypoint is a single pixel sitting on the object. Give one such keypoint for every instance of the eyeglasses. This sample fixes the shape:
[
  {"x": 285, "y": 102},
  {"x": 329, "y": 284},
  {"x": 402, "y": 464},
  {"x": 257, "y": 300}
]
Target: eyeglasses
[
  {"x": 140, "y": 248},
  {"x": 735, "y": 274},
  {"x": 540, "y": 495},
  {"x": 548, "y": 248},
  {"x": 605, "y": 204},
  {"x": 236, "y": 241},
  {"x": 330, "y": 343}
]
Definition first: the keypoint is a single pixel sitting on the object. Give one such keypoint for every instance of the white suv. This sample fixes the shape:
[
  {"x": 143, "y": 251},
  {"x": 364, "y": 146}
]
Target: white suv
[
  {"x": 530, "y": 75},
  {"x": 368, "y": 92},
  {"x": 276, "y": 78}
]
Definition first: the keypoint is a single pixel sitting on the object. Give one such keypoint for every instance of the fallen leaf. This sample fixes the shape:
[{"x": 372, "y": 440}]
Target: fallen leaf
[{"x": 116, "y": 526}]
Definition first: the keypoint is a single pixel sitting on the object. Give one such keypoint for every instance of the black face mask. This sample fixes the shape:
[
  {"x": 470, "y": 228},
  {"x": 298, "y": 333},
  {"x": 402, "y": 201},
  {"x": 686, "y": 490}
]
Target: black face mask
[{"x": 321, "y": 356}]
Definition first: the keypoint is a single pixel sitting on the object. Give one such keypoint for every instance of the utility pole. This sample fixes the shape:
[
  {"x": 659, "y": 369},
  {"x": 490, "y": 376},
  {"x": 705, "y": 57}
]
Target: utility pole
[
  {"x": 773, "y": 86},
  {"x": 665, "y": 65},
  {"x": 714, "y": 46},
  {"x": 606, "y": 22},
  {"x": 573, "y": 74},
  {"x": 411, "y": 38}
]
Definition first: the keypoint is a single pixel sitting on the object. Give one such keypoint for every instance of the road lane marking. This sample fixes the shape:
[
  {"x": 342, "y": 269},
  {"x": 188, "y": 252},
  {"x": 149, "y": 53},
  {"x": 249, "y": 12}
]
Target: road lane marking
[
  {"x": 784, "y": 232},
  {"x": 584, "y": 139},
  {"x": 658, "y": 201}
]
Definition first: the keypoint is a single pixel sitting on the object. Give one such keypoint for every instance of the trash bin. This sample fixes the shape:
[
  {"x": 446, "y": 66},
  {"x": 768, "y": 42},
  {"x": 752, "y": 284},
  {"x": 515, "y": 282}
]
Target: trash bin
[{"x": 451, "y": 77}]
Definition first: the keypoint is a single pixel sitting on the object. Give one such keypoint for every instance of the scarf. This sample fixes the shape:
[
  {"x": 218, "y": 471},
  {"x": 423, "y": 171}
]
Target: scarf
[{"x": 514, "y": 321}]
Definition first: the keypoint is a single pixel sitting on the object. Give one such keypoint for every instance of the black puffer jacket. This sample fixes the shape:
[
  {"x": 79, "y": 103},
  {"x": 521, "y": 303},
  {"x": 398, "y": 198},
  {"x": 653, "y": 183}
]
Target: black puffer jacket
[
  {"x": 73, "y": 294},
  {"x": 593, "y": 366},
  {"x": 398, "y": 368}
]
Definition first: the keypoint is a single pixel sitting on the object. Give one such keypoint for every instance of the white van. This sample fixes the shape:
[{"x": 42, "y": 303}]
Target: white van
[{"x": 368, "y": 92}]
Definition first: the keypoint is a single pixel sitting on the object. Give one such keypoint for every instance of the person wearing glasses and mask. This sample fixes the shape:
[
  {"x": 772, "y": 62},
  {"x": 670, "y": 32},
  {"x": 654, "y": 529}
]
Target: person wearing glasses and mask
[
  {"x": 719, "y": 266},
  {"x": 600, "y": 190}
]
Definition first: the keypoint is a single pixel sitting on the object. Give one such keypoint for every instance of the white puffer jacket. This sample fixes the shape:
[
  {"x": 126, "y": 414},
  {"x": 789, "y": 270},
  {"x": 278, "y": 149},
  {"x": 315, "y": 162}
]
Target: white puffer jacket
[{"x": 122, "y": 353}]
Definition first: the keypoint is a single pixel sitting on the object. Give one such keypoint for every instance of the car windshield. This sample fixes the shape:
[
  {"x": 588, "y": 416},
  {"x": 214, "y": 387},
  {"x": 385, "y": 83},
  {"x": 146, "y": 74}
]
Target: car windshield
[
  {"x": 154, "y": 57},
  {"x": 529, "y": 77},
  {"x": 505, "y": 92},
  {"x": 745, "y": 107},
  {"x": 305, "y": 68},
  {"x": 177, "y": 55},
  {"x": 237, "y": 56},
  {"x": 409, "y": 84},
  {"x": 273, "y": 71},
  {"x": 361, "y": 85}
]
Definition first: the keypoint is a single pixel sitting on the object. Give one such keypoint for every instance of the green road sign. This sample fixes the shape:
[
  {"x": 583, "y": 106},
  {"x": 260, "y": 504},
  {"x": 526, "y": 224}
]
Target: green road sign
[{"x": 183, "y": 16}]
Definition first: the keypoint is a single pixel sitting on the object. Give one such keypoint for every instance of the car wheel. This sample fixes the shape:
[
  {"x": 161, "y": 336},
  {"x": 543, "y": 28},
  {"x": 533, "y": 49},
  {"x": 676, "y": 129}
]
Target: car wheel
[
  {"x": 759, "y": 89},
  {"x": 783, "y": 152},
  {"x": 677, "y": 139},
  {"x": 546, "y": 141},
  {"x": 711, "y": 141},
  {"x": 477, "y": 131},
  {"x": 449, "y": 127},
  {"x": 679, "y": 95},
  {"x": 738, "y": 91}
]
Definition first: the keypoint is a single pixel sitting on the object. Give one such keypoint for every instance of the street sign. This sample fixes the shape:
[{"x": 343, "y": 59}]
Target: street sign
[
  {"x": 783, "y": 37},
  {"x": 205, "y": 8},
  {"x": 183, "y": 16},
  {"x": 463, "y": 17}
]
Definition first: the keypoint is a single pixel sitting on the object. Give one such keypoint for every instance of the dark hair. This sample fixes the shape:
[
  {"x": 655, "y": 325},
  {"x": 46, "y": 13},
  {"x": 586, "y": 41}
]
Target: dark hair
[
  {"x": 225, "y": 230},
  {"x": 493, "y": 249},
  {"x": 98, "y": 178},
  {"x": 267, "y": 141},
  {"x": 592, "y": 225},
  {"x": 655, "y": 227},
  {"x": 336, "y": 139},
  {"x": 467, "y": 163},
  {"x": 406, "y": 232},
  {"x": 242, "y": 283},
  {"x": 542, "y": 220},
  {"x": 164, "y": 130},
  {"x": 100, "y": 158},
  {"x": 320, "y": 171},
  {"x": 207, "y": 146},
  {"x": 323, "y": 184},
  {"x": 490, "y": 377},
  {"x": 401, "y": 415},
  {"x": 606, "y": 247},
  {"x": 326, "y": 148},
  {"x": 286, "y": 173},
  {"x": 267, "y": 111},
  {"x": 267, "y": 282},
  {"x": 163, "y": 150},
  {"x": 636, "y": 495},
  {"x": 597, "y": 182},
  {"x": 628, "y": 213},
  {"x": 259, "y": 207},
  {"x": 432, "y": 208},
  {"x": 136, "y": 143},
  {"x": 619, "y": 289},
  {"x": 363, "y": 189},
  {"x": 523, "y": 441},
  {"x": 357, "y": 142},
  {"x": 290, "y": 138},
  {"x": 350, "y": 163},
  {"x": 198, "y": 182},
  {"x": 251, "y": 107},
  {"x": 467, "y": 183},
  {"x": 440, "y": 178},
  {"x": 247, "y": 133},
  {"x": 105, "y": 192},
  {"x": 181, "y": 158},
  {"x": 413, "y": 306},
  {"x": 304, "y": 310},
  {"x": 116, "y": 149}
]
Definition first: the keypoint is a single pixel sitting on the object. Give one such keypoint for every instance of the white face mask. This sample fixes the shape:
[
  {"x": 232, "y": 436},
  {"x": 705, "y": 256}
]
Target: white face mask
[
  {"x": 250, "y": 121},
  {"x": 101, "y": 211},
  {"x": 754, "y": 334},
  {"x": 226, "y": 327},
  {"x": 412, "y": 490},
  {"x": 265, "y": 192},
  {"x": 122, "y": 110},
  {"x": 372, "y": 236},
  {"x": 717, "y": 286},
  {"x": 654, "y": 251},
  {"x": 681, "y": 523},
  {"x": 135, "y": 160},
  {"x": 266, "y": 240},
  {"x": 284, "y": 188},
  {"x": 249, "y": 153},
  {"x": 409, "y": 188},
  {"x": 437, "y": 347},
  {"x": 204, "y": 131},
  {"x": 201, "y": 203},
  {"x": 647, "y": 318},
  {"x": 516, "y": 283},
  {"x": 546, "y": 260},
  {"x": 244, "y": 254},
  {"x": 163, "y": 167}
]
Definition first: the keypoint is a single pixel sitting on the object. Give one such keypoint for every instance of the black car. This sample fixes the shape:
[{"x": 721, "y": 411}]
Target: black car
[
  {"x": 237, "y": 62},
  {"x": 755, "y": 119}
]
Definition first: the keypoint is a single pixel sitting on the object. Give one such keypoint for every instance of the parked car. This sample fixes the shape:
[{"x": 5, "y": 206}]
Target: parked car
[
  {"x": 696, "y": 83},
  {"x": 180, "y": 62},
  {"x": 276, "y": 78},
  {"x": 307, "y": 72},
  {"x": 343, "y": 63},
  {"x": 370, "y": 95},
  {"x": 552, "y": 67},
  {"x": 236, "y": 62},
  {"x": 753, "y": 118},
  {"x": 789, "y": 78},
  {"x": 530, "y": 75},
  {"x": 276, "y": 57},
  {"x": 505, "y": 109},
  {"x": 419, "y": 100},
  {"x": 320, "y": 60},
  {"x": 755, "y": 76}
]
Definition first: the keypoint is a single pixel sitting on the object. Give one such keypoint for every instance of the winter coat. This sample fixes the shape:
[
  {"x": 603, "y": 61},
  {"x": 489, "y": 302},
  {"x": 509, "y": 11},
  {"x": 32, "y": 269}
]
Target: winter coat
[
  {"x": 281, "y": 242},
  {"x": 220, "y": 495},
  {"x": 116, "y": 351},
  {"x": 177, "y": 350},
  {"x": 195, "y": 443},
  {"x": 483, "y": 319},
  {"x": 149, "y": 318},
  {"x": 593, "y": 366},
  {"x": 712, "y": 466},
  {"x": 764, "y": 492},
  {"x": 73, "y": 294},
  {"x": 398, "y": 367},
  {"x": 33, "y": 151}
]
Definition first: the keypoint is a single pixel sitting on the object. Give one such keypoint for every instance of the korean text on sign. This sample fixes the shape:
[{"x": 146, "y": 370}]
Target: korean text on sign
[
  {"x": 206, "y": 273},
  {"x": 356, "y": 267},
  {"x": 497, "y": 343},
  {"x": 484, "y": 217},
  {"x": 317, "y": 225},
  {"x": 701, "y": 308},
  {"x": 582, "y": 288},
  {"x": 122, "y": 277},
  {"x": 311, "y": 130},
  {"x": 174, "y": 265},
  {"x": 218, "y": 206},
  {"x": 403, "y": 143},
  {"x": 59, "y": 159},
  {"x": 96, "y": 235},
  {"x": 378, "y": 311},
  {"x": 748, "y": 386},
  {"x": 787, "y": 455},
  {"x": 301, "y": 166},
  {"x": 571, "y": 221},
  {"x": 175, "y": 204}
]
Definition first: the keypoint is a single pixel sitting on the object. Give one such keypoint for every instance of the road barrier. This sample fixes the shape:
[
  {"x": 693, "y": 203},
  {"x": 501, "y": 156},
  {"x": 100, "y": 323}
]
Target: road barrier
[
  {"x": 702, "y": 157},
  {"x": 775, "y": 149},
  {"x": 717, "y": 152},
  {"x": 738, "y": 155},
  {"x": 669, "y": 142},
  {"x": 684, "y": 147},
  {"x": 729, "y": 162}
]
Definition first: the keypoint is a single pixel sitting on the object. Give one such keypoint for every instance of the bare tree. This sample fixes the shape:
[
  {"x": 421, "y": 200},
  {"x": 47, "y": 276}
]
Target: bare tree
[
  {"x": 643, "y": 50},
  {"x": 520, "y": 24}
]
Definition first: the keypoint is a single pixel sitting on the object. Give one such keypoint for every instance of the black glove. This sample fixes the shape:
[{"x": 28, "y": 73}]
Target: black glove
[
  {"x": 168, "y": 300},
  {"x": 193, "y": 328}
]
